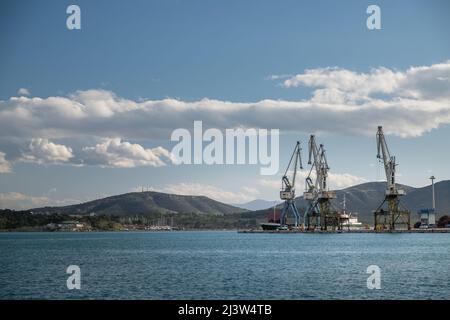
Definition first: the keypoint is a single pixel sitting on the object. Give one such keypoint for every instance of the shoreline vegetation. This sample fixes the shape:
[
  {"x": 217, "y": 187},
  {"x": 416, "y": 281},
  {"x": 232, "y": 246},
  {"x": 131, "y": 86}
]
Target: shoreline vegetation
[{"x": 28, "y": 221}]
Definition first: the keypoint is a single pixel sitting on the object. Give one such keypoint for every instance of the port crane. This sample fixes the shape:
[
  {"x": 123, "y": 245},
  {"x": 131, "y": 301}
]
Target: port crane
[
  {"x": 395, "y": 214},
  {"x": 287, "y": 192},
  {"x": 317, "y": 193}
]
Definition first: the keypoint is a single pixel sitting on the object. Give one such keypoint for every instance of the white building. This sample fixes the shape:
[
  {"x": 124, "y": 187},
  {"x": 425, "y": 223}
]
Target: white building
[{"x": 427, "y": 218}]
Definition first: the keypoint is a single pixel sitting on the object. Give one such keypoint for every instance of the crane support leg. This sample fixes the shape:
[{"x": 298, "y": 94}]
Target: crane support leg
[
  {"x": 312, "y": 217},
  {"x": 392, "y": 217},
  {"x": 289, "y": 206}
]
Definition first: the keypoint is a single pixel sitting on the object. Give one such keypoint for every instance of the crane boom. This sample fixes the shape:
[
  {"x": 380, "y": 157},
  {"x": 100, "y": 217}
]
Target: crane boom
[
  {"x": 288, "y": 185},
  {"x": 287, "y": 192},
  {"x": 318, "y": 159},
  {"x": 388, "y": 162}
]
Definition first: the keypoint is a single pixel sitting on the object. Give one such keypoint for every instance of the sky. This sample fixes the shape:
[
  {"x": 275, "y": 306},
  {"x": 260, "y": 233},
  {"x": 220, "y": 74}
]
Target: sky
[{"x": 89, "y": 113}]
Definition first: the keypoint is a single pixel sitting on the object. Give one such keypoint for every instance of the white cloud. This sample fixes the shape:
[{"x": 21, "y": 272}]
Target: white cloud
[
  {"x": 44, "y": 151},
  {"x": 20, "y": 201},
  {"x": 336, "y": 181},
  {"x": 278, "y": 76},
  {"x": 426, "y": 82},
  {"x": 270, "y": 183},
  {"x": 250, "y": 190},
  {"x": 5, "y": 165},
  {"x": 114, "y": 152},
  {"x": 212, "y": 192},
  {"x": 343, "y": 180},
  {"x": 341, "y": 80},
  {"x": 407, "y": 103},
  {"x": 23, "y": 92}
]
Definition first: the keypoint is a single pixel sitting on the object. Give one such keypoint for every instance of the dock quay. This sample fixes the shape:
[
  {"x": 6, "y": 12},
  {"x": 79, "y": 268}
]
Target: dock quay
[{"x": 429, "y": 230}]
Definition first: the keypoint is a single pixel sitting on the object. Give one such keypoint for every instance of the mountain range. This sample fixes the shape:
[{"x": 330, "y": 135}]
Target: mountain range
[
  {"x": 364, "y": 198},
  {"x": 361, "y": 199}
]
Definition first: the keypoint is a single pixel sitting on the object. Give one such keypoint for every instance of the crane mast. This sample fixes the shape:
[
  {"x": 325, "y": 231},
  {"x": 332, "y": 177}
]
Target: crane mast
[
  {"x": 317, "y": 158},
  {"x": 317, "y": 193},
  {"x": 394, "y": 215},
  {"x": 388, "y": 162},
  {"x": 287, "y": 192}
]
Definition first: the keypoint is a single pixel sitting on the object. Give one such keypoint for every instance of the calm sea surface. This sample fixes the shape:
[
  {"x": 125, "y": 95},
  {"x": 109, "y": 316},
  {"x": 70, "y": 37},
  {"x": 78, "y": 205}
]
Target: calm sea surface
[{"x": 223, "y": 265}]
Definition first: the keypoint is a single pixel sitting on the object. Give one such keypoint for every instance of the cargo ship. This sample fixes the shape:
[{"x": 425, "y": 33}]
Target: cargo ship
[{"x": 273, "y": 220}]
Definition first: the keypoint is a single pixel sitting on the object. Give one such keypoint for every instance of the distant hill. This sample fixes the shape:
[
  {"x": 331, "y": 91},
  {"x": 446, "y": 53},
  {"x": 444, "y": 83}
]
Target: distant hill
[
  {"x": 144, "y": 203},
  {"x": 257, "y": 204},
  {"x": 362, "y": 199},
  {"x": 365, "y": 198},
  {"x": 421, "y": 197}
]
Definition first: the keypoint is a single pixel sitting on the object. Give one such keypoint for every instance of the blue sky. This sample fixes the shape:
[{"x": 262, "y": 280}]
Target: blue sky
[{"x": 224, "y": 51}]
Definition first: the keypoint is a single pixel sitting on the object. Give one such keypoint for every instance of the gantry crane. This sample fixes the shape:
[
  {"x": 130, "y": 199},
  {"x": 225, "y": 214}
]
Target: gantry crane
[
  {"x": 287, "y": 192},
  {"x": 395, "y": 214},
  {"x": 317, "y": 194}
]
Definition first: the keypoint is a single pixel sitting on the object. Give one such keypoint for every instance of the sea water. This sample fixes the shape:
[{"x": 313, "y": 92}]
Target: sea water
[{"x": 223, "y": 265}]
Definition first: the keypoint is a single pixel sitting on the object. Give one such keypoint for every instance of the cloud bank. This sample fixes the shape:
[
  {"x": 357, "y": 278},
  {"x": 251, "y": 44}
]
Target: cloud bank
[
  {"x": 237, "y": 196},
  {"x": 20, "y": 201},
  {"x": 336, "y": 181},
  {"x": 407, "y": 103}
]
